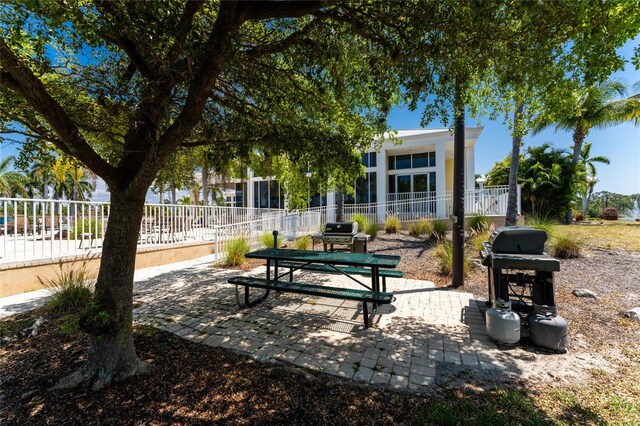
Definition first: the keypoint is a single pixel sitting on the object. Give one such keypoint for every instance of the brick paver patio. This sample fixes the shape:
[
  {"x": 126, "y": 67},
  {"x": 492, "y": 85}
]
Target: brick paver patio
[{"x": 425, "y": 337}]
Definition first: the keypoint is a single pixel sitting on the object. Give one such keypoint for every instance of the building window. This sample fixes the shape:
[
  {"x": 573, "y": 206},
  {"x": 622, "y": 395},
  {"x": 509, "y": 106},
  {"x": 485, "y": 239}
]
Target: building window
[
  {"x": 369, "y": 159},
  {"x": 412, "y": 161},
  {"x": 403, "y": 162},
  {"x": 267, "y": 195},
  {"x": 366, "y": 191},
  {"x": 241, "y": 189},
  {"x": 416, "y": 183}
]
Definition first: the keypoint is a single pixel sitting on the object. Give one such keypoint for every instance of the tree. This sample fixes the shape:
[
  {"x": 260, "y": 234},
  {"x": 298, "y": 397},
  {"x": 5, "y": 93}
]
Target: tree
[
  {"x": 587, "y": 161},
  {"x": 156, "y": 77},
  {"x": 594, "y": 106},
  {"x": 547, "y": 180},
  {"x": 12, "y": 183}
]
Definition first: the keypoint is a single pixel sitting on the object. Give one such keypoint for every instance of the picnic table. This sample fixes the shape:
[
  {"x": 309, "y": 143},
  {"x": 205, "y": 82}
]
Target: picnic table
[{"x": 348, "y": 264}]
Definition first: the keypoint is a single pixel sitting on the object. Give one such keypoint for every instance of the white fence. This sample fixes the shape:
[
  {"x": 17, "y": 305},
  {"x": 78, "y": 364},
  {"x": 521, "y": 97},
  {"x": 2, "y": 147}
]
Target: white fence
[
  {"x": 32, "y": 229},
  {"x": 50, "y": 229},
  {"x": 489, "y": 201}
]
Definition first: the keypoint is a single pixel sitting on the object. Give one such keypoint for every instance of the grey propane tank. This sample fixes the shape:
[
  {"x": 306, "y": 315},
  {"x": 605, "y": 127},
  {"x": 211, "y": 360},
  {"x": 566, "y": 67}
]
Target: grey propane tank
[
  {"x": 547, "y": 329},
  {"x": 503, "y": 325}
]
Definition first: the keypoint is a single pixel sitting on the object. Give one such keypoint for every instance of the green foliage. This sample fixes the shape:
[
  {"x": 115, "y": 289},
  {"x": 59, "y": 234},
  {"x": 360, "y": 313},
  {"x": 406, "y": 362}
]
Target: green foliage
[
  {"x": 84, "y": 225},
  {"x": 71, "y": 288},
  {"x": 566, "y": 246},
  {"x": 421, "y": 227},
  {"x": 609, "y": 213},
  {"x": 478, "y": 223},
  {"x": 548, "y": 180},
  {"x": 623, "y": 203},
  {"x": 302, "y": 243},
  {"x": 236, "y": 249},
  {"x": 392, "y": 225},
  {"x": 267, "y": 240},
  {"x": 444, "y": 253},
  {"x": 478, "y": 237},
  {"x": 361, "y": 220},
  {"x": 439, "y": 227},
  {"x": 372, "y": 231},
  {"x": 542, "y": 222}
]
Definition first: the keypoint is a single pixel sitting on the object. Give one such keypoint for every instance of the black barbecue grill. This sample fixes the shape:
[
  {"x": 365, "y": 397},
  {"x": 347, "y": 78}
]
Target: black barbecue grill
[
  {"x": 346, "y": 234},
  {"x": 509, "y": 252}
]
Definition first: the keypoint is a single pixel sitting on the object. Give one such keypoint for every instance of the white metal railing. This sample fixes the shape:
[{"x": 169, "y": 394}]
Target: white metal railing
[
  {"x": 289, "y": 226},
  {"x": 489, "y": 201},
  {"x": 33, "y": 229}
]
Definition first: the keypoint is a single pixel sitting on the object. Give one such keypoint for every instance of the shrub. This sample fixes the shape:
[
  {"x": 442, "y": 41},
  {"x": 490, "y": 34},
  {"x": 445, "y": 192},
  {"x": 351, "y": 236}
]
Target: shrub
[
  {"x": 267, "y": 240},
  {"x": 421, "y": 227},
  {"x": 236, "y": 249},
  {"x": 392, "y": 225},
  {"x": 567, "y": 246},
  {"x": 479, "y": 237},
  {"x": 578, "y": 216},
  {"x": 84, "y": 225},
  {"x": 545, "y": 223},
  {"x": 361, "y": 220},
  {"x": 71, "y": 288},
  {"x": 478, "y": 223},
  {"x": 444, "y": 252},
  {"x": 439, "y": 230},
  {"x": 302, "y": 243},
  {"x": 609, "y": 213},
  {"x": 372, "y": 231}
]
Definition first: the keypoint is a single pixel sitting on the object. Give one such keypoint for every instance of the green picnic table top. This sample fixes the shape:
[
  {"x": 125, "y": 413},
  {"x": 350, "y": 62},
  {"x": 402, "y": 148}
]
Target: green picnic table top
[{"x": 333, "y": 258}]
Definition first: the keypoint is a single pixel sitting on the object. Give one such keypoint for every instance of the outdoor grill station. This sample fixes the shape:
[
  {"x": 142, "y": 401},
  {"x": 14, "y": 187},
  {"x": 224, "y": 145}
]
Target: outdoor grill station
[
  {"x": 343, "y": 234},
  {"x": 516, "y": 294}
]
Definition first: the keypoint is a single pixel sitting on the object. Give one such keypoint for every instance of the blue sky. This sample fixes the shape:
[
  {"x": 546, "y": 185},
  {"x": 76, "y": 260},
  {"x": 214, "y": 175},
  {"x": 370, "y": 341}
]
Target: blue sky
[{"x": 621, "y": 144}]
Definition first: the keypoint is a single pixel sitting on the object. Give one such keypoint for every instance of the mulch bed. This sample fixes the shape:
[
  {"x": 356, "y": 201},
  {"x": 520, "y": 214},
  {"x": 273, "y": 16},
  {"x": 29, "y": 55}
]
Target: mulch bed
[{"x": 211, "y": 385}]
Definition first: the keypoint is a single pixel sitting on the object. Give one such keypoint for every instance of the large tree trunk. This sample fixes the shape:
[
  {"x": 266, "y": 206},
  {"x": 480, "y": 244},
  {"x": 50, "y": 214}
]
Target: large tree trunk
[
  {"x": 457, "y": 278},
  {"x": 205, "y": 185},
  {"x": 108, "y": 321},
  {"x": 339, "y": 206},
  {"x": 512, "y": 200}
]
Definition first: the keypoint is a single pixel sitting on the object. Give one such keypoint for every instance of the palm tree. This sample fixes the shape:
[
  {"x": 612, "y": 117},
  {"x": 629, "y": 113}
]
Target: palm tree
[
  {"x": 83, "y": 182},
  {"x": 60, "y": 173},
  {"x": 12, "y": 183},
  {"x": 588, "y": 162},
  {"x": 595, "y": 107}
]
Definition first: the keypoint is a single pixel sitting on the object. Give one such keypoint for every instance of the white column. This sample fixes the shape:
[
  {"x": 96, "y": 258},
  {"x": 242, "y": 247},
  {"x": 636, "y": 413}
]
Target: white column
[
  {"x": 441, "y": 183},
  {"x": 250, "y": 194},
  {"x": 331, "y": 206},
  {"x": 381, "y": 184},
  {"x": 470, "y": 174}
]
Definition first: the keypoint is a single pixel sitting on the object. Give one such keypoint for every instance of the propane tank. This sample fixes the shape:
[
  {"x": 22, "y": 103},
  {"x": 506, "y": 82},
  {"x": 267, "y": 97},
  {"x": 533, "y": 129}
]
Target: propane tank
[
  {"x": 503, "y": 325},
  {"x": 547, "y": 329}
]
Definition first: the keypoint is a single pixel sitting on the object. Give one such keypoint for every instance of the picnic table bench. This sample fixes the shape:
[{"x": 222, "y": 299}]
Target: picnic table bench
[{"x": 348, "y": 264}]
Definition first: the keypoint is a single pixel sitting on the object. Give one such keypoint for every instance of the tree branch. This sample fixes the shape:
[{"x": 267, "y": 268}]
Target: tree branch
[
  {"x": 256, "y": 10},
  {"x": 21, "y": 79}
]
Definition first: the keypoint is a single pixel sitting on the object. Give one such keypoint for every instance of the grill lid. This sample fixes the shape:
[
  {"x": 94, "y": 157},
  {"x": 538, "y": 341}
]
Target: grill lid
[
  {"x": 518, "y": 239},
  {"x": 341, "y": 228}
]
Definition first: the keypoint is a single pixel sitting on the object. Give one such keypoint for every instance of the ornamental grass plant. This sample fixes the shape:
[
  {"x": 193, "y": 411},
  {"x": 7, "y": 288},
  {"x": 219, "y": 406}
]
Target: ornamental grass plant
[
  {"x": 236, "y": 249},
  {"x": 392, "y": 225}
]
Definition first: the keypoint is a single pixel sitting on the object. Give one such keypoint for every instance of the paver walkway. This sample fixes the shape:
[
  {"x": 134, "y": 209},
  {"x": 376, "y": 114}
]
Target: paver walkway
[{"x": 426, "y": 336}]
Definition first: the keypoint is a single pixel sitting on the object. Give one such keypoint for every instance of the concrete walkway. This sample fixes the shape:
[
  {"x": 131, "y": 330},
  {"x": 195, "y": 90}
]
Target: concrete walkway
[{"x": 425, "y": 338}]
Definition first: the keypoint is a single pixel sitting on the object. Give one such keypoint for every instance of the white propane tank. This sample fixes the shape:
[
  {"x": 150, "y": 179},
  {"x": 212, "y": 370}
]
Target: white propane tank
[{"x": 503, "y": 325}]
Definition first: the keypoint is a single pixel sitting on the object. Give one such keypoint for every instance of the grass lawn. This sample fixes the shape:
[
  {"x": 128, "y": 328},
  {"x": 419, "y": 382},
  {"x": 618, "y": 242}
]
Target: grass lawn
[{"x": 613, "y": 235}]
